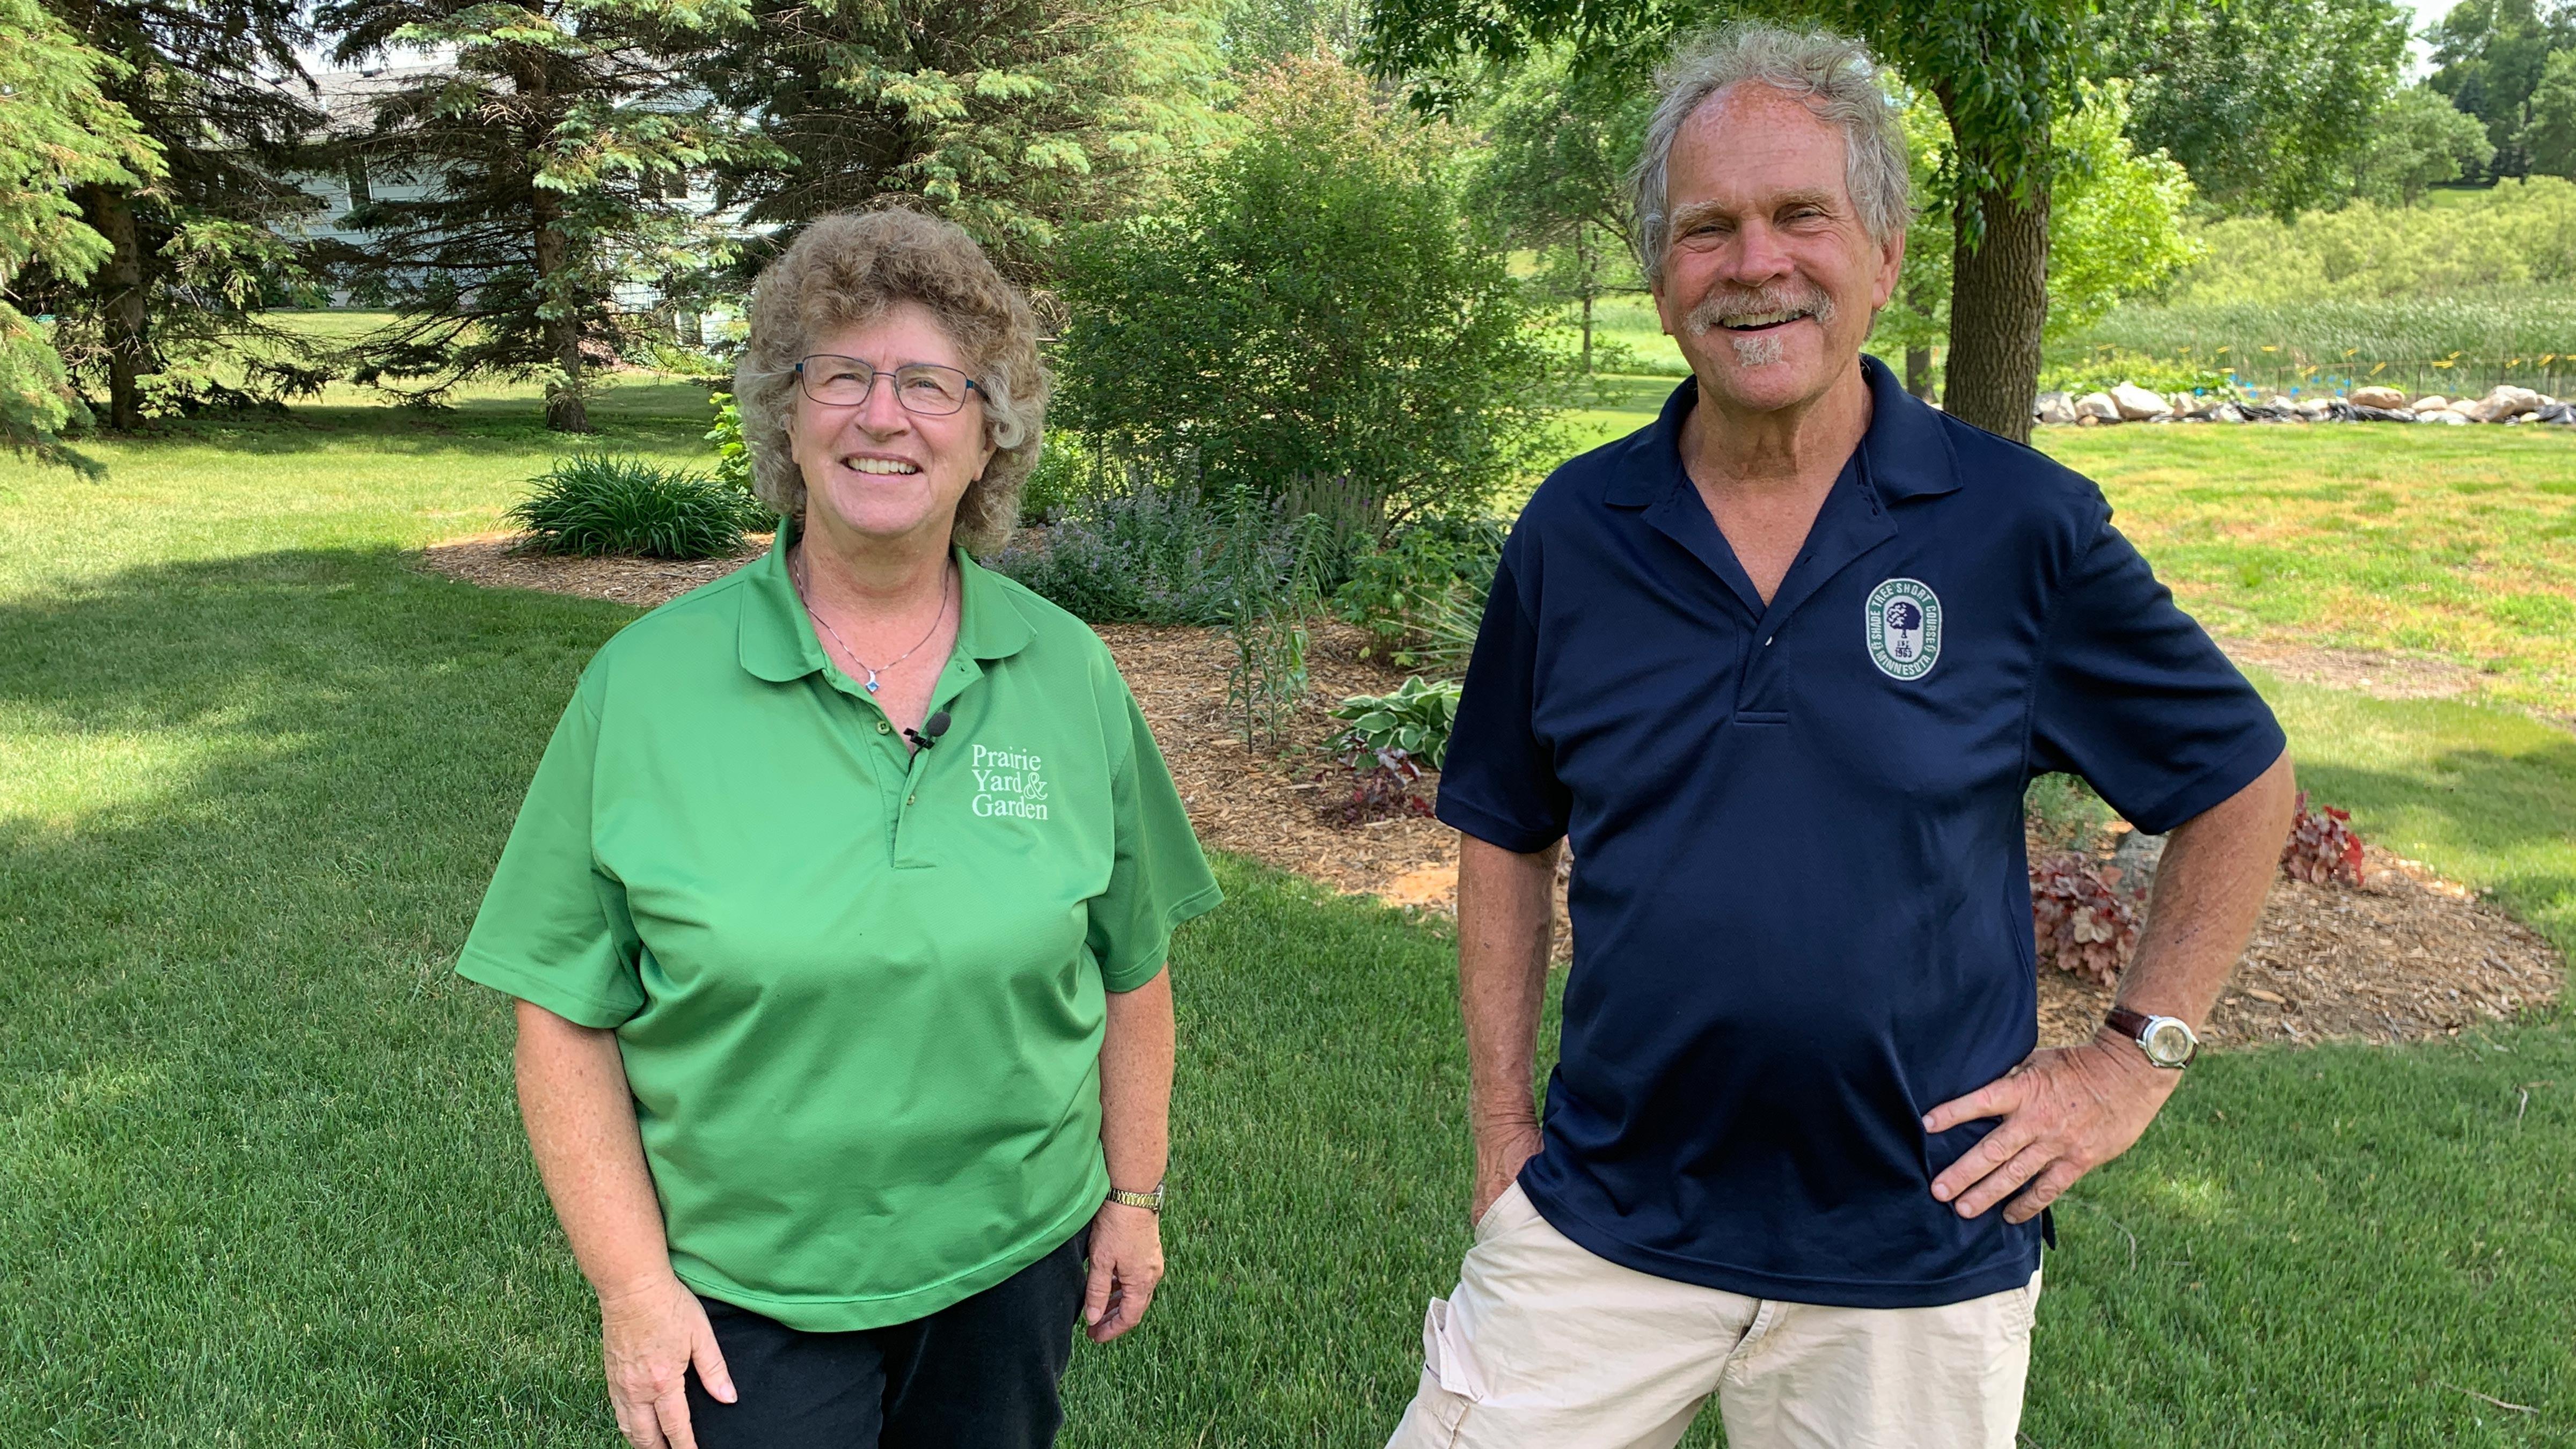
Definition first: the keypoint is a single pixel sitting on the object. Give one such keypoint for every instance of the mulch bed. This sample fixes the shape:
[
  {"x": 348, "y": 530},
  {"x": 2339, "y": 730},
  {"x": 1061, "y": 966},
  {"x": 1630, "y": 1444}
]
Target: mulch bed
[{"x": 2405, "y": 957}]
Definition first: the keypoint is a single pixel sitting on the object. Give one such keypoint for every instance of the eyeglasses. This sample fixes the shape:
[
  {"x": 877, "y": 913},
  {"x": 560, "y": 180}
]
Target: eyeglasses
[{"x": 924, "y": 388}]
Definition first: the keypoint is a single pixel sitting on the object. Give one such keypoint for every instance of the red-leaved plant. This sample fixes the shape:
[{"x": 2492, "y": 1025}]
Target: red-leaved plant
[
  {"x": 1383, "y": 786},
  {"x": 2083, "y": 926},
  {"x": 2322, "y": 847}
]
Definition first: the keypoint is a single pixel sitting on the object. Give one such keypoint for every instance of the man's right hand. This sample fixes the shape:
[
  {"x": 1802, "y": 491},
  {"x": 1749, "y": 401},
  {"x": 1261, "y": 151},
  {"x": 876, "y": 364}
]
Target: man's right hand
[
  {"x": 1500, "y": 1153},
  {"x": 649, "y": 1336}
]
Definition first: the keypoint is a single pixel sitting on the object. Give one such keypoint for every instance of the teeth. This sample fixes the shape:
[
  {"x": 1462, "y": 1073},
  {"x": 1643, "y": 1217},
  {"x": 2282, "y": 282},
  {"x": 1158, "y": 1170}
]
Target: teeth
[
  {"x": 881, "y": 465},
  {"x": 1763, "y": 319}
]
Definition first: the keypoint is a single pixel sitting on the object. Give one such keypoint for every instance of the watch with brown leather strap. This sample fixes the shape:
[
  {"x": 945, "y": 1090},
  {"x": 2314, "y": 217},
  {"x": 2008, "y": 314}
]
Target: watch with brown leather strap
[{"x": 2168, "y": 1041}]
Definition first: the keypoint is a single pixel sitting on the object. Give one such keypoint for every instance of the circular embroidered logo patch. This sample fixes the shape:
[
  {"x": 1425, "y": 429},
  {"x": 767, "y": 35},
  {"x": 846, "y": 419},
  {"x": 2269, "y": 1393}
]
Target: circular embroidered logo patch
[{"x": 1903, "y": 628}]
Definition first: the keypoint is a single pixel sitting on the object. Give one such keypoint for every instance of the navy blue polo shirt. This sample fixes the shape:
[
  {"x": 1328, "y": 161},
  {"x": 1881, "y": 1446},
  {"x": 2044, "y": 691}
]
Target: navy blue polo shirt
[{"x": 1801, "y": 908}]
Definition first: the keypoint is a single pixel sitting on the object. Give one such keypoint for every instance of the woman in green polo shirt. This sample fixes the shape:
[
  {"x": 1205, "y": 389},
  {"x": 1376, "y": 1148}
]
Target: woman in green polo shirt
[{"x": 838, "y": 909}]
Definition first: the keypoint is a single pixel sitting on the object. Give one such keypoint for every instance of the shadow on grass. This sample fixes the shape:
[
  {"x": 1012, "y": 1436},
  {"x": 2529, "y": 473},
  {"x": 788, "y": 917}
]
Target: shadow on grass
[
  {"x": 662, "y": 416},
  {"x": 2514, "y": 813},
  {"x": 263, "y": 1175}
]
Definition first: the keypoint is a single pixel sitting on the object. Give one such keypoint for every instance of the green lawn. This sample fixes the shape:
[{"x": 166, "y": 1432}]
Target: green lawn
[{"x": 261, "y": 1182}]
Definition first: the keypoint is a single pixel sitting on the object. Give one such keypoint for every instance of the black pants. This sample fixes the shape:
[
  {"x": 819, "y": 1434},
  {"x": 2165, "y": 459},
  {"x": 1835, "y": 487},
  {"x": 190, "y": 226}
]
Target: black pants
[{"x": 981, "y": 1374}]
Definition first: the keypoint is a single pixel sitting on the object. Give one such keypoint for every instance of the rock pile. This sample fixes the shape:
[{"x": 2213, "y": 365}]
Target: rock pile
[{"x": 2130, "y": 403}]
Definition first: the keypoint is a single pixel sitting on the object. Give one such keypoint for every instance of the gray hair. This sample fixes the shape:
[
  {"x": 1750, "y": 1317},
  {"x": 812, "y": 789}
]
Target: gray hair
[
  {"x": 1836, "y": 78},
  {"x": 850, "y": 269}
]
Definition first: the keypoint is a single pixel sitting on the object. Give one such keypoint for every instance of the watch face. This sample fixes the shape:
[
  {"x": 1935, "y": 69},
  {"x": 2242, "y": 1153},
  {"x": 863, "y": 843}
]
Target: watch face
[{"x": 2168, "y": 1042}]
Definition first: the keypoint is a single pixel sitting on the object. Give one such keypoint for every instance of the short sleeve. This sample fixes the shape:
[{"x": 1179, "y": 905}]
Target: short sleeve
[
  {"x": 554, "y": 929},
  {"x": 2135, "y": 697},
  {"x": 1159, "y": 878},
  {"x": 1498, "y": 782}
]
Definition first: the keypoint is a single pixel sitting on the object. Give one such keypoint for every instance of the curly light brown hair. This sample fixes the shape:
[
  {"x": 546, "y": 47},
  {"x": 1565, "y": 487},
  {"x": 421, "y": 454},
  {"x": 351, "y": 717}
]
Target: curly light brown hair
[{"x": 850, "y": 269}]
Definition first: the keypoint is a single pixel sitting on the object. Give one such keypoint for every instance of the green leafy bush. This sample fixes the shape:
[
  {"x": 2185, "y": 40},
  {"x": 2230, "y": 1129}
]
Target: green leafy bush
[
  {"x": 1317, "y": 304},
  {"x": 1412, "y": 723},
  {"x": 2519, "y": 234},
  {"x": 2108, "y": 367},
  {"x": 733, "y": 455},
  {"x": 603, "y": 503},
  {"x": 1166, "y": 553},
  {"x": 1422, "y": 593}
]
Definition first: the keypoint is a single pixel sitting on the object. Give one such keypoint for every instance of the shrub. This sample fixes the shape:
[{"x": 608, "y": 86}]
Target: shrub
[
  {"x": 2081, "y": 925},
  {"x": 602, "y": 503},
  {"x": 1317, "y": 304},
  {"x": 2517, "y": 234},
  {"x": 733, "y": 455},
  {"x": 1414, "y": 720},
  {"x": 2108, "y": 367},
  {"x": 2322, "y": 847},
  {"x": 1413, "y": 593}
]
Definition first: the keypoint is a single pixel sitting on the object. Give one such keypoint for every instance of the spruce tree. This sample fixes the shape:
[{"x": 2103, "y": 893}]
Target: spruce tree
[
  {"x": 552, "y": 158},
  {"x": 171, "y": 314},
  {"x": 1013, "y": 118},
  {"x": 59, "y": 131}
]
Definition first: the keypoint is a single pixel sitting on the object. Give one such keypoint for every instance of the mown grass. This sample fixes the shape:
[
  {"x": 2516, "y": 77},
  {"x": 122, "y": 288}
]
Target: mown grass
[
  {"x": 2454, "y": 543},
  {"x": 264, "y": 1183}
]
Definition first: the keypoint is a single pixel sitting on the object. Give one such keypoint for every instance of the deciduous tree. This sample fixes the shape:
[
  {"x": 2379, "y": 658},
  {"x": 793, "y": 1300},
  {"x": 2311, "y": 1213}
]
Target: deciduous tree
[
  {"x": 2271, "y": 105},
  {"x": 2489, "y": 57},
  {"x": 2000, "y": 72},
  {"x": 2419, "y": 141},
  {"x": 1559, "y": 141}
]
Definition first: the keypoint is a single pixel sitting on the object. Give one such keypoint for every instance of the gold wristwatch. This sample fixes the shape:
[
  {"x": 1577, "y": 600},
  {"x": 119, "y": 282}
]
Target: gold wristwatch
[{"x": 1151, "y": 1202}]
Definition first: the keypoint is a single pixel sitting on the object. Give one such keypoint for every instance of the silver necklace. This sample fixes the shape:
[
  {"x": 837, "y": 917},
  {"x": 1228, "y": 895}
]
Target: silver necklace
[{"x": 802, "y": 597}]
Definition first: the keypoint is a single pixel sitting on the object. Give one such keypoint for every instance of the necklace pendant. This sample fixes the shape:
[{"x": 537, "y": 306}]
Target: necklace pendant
[{"x": 871, "y": 685}]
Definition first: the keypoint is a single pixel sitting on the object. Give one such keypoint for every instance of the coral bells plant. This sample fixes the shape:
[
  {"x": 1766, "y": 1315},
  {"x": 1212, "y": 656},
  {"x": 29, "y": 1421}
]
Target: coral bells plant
[
  {"x": 1383, "y": 785},
  {"x": 2322, "y": 847},
  {"x": 2083, "y": 926}
]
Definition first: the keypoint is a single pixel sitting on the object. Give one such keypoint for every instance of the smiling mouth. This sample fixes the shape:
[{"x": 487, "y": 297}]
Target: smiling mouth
[
  {"x": 892, "y": 466},
  {"x": 1765, "y": 321}
]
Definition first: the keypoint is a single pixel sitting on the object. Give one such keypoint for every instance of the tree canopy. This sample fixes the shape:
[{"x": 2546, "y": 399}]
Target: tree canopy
[
  {"x": 2271, "y": 105},
  {"x": 2490, "y": 57},
  {"x": 170, "y": 318},
  {"x": 1013, "y": 118},
  {"x": 558, "y": 141}
]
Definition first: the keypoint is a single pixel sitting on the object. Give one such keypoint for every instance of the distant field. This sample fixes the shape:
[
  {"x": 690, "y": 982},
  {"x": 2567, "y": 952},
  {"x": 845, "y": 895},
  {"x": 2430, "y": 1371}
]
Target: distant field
[{"x": 2527, "y": 335}]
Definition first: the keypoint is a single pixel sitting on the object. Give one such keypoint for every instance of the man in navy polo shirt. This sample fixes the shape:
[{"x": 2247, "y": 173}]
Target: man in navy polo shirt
[{"x": 1781, "y": 666}]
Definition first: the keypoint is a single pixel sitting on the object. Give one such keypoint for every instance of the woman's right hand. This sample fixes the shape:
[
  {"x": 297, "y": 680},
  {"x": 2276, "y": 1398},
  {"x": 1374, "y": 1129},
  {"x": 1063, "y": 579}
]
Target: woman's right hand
[{"x": 649, "y": 1336}]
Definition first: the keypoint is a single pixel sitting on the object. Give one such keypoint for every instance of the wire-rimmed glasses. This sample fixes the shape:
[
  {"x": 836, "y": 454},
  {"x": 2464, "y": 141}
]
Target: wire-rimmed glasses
[{"x": 924, "y": 388}]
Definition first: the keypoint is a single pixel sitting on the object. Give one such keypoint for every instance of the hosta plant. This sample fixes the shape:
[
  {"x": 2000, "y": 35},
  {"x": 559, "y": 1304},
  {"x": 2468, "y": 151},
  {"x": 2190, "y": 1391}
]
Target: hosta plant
[
  {"x": 1415, "y": 719},
  {"x": 2322, "y": 847}
]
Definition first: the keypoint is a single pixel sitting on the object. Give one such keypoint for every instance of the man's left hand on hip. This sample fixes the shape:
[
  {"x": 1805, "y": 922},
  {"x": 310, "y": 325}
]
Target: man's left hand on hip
[{"x": 2065, "y": 1111}]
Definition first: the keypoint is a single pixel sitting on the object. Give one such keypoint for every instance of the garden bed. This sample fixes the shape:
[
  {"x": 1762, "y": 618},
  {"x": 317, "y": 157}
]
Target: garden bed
[{"x": 2406, "y": 957}]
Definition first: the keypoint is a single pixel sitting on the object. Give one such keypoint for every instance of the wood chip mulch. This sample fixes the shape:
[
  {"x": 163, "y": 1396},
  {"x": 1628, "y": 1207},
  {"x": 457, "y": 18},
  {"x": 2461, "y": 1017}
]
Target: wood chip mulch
[{"x": 2406, "y": 957}]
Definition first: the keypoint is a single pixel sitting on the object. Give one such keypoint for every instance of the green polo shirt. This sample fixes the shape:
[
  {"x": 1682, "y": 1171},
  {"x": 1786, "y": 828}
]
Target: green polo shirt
[{"x": 859, "y": 991}]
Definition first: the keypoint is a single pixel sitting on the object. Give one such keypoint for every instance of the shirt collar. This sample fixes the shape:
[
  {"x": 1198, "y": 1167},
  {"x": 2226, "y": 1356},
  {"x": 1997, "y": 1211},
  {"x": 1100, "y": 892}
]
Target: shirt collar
[
  {"x": 778, "y": 642},
  {"x": 1907, "y": 451}
]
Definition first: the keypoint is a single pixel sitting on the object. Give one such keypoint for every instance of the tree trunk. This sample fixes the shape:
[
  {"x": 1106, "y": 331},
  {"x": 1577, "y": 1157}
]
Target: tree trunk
[
  {"x": 1918, "y": 372},
  {"x": 1586, "y": 263},
  {"x": 1998, "y": 304},
  {"x": 109, "y": 210},
  {"x": 566, "y": 409}
]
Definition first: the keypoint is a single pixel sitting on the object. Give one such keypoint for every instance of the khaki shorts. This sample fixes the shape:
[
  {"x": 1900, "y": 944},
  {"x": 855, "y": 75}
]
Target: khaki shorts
[{"x": 1547, "y": 1346}]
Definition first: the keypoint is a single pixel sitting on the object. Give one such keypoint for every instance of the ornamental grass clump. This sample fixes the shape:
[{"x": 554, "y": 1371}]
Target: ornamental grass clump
[{"x": 601, "y": 503}]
